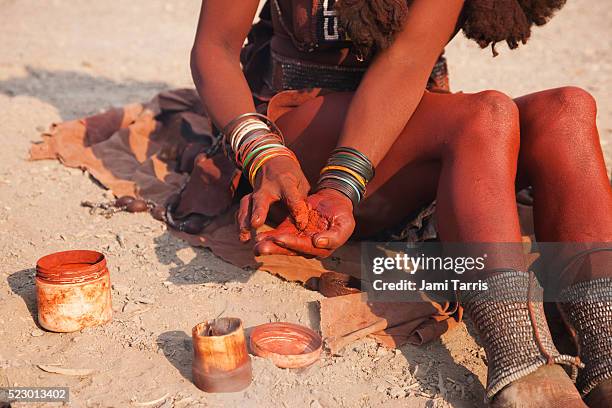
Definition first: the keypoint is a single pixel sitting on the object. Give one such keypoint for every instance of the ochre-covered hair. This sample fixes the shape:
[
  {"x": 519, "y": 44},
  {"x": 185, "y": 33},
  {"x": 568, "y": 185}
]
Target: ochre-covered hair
[{"x": 372, "y": 24}]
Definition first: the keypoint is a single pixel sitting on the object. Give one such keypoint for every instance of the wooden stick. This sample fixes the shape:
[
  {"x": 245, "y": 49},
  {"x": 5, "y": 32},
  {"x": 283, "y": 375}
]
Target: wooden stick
[{"x": 336, "y": 344}]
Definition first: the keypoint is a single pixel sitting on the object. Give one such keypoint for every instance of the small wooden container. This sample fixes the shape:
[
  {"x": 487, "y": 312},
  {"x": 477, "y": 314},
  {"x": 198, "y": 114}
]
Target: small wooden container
[
  {"x": 221, "y": 362},
  {"x": 73, "y": 291}
]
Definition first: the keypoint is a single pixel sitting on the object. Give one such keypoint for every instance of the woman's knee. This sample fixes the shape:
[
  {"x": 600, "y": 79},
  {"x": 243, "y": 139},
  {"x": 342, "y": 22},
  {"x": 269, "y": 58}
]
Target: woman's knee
[
  {"x": 570, "y": 102},
  {"x": 488, "y": 126},
  {"x": 568, "y": 106},
  {"x": 559, "y": 121}
]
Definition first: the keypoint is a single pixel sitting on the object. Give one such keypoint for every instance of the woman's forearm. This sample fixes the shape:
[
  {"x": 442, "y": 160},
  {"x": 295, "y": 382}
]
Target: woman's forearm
[
  {"x": 215, "y": 58},
  {"x": 380, "y": 109},
  {"x": 395, "y": 82},
  {"x": 220, "y": 83}
]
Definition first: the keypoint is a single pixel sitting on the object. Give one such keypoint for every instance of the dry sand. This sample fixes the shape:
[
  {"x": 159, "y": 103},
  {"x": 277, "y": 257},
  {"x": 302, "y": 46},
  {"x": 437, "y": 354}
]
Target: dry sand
[{"x": 63, "y": 59}]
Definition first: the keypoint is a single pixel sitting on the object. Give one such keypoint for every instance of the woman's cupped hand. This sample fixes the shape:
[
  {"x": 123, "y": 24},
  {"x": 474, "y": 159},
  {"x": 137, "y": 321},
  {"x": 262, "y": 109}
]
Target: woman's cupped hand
[
  {"x": 326, "y": 224},
  {"x": 280, "y": 179}
]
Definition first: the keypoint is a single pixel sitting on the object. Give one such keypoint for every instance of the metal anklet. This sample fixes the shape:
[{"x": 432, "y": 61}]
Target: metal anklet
[{"x": 513, "y": 328}]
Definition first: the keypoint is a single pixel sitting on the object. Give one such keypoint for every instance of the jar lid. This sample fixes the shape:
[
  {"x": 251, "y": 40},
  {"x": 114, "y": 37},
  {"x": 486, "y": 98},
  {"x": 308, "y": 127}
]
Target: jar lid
[{"x": 288, "y": 345}]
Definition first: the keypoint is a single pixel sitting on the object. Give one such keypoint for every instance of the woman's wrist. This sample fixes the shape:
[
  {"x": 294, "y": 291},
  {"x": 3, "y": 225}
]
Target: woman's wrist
[
  {"x": 347, "y": 171},
  {"x": 254, "y": 140},
  {"x": 334, "y": 194}
]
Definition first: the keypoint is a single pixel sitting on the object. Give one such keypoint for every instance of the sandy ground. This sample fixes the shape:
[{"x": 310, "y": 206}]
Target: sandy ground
[{"x": 67, "y": 59}]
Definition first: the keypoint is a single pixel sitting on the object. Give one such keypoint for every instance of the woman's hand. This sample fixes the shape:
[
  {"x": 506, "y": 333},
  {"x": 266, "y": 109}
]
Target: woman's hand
[
  {"x": 330, "y": 225},
  {"x": 281, "y": 178}
]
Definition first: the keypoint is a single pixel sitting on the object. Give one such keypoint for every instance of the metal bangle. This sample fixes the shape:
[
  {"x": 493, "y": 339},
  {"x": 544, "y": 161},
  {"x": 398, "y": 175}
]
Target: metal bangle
[
  {"x": 344, "y": 180},
  {"x": 265, "y": 119},
  {"x": 244, "y": 129},
  {"x": 362, "y": 181},
  {"x": 347, "y": 176},
  {"x": 357, "y": 153},
  {"x": 253, "y": 153},
  {"x": 341, "y": 187},
  {"x": 353, "y": 163}
]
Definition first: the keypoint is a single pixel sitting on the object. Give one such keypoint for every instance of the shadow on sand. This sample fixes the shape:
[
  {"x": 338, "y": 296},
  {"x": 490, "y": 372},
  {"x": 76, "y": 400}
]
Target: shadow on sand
[
  {"x": 76, "y": 94},
  {"x": 22, "y": 284}
]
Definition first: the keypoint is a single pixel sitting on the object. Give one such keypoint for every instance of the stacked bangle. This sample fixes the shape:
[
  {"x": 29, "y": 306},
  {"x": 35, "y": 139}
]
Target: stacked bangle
[
  {"x": 251, "y": 140},
  {"x": 348, "y": 171}
]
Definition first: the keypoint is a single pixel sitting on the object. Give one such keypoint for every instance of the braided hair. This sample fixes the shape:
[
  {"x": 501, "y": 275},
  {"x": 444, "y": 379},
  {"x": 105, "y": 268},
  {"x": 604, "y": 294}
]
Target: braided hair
[{"x": 373, "y": 24}]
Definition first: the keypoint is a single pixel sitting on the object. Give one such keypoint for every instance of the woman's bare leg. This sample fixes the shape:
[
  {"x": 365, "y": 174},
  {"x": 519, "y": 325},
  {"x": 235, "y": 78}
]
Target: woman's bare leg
[
  {"x": 562, "y": 159},
  {"x": 461, "y": 149},
  {"x": 462, "y": 145}
]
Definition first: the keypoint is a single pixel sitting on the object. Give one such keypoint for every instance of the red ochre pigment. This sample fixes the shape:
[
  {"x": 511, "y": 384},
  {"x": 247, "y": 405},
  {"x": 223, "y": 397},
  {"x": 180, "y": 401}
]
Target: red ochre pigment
[{"x": 316, "y": 223}]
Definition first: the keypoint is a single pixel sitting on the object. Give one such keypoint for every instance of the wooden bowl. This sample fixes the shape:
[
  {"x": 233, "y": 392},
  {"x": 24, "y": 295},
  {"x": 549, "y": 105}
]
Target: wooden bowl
[{"x": 288, "y": 345}]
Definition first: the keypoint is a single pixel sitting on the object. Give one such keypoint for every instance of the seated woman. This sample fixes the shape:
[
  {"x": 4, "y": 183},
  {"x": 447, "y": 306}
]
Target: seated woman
[{"x": 469, "y": 152}]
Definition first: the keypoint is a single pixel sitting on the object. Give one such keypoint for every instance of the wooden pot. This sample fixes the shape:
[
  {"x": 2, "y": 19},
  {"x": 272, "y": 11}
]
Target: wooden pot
[{"x": 221, "y": 362}]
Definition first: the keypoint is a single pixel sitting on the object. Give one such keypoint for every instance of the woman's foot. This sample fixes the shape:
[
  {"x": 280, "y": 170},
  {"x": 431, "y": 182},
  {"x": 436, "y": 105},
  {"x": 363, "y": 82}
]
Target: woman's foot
[
  {"x": 601, "y": 396},
  {"x": 547, "y": 387}
]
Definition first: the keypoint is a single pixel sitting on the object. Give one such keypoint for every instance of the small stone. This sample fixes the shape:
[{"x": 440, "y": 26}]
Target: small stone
[
  {"x": 145, "y": 300},
  {"x": 184, "y": 402},
  {"x": 37, "y": 333},
  {"x": 397, "y": 392},
  {"x": 470, "y": 379}
]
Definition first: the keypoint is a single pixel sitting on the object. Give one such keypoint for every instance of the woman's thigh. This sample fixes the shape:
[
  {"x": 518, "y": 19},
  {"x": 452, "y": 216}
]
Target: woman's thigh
[
  {"x": 313, "y": 128},
  {"x": 407, "y": 178}
]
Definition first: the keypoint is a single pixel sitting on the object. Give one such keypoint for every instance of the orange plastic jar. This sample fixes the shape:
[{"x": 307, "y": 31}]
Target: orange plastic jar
[{"x": 73, "y": 290}]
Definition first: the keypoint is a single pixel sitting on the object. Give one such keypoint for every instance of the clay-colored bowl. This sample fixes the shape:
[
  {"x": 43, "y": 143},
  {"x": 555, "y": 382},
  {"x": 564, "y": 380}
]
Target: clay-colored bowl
[
  {"x": 333, "y": 284},
  {"x": 288, "y": 345}
]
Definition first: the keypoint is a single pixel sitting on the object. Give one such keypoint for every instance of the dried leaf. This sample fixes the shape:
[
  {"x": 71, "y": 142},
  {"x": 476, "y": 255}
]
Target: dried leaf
[{"x": 65, "y": 371}]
